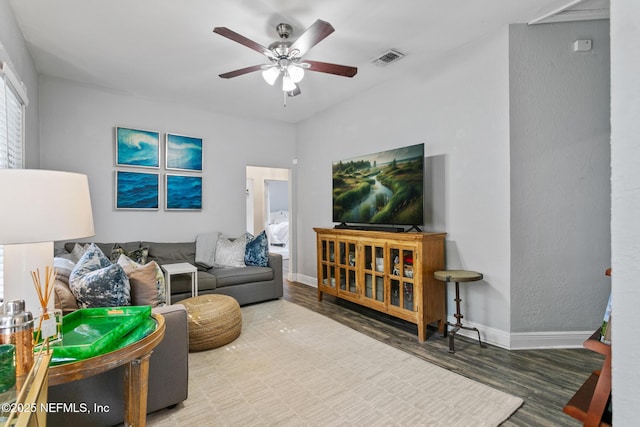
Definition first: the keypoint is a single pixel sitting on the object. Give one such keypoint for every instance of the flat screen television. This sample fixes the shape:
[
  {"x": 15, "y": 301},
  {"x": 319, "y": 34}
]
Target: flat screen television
[{"x": 385, "y": 188}]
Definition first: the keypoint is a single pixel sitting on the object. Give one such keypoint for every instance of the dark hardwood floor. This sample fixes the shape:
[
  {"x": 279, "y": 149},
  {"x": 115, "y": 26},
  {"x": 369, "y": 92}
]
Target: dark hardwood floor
[{"x": 545, "y": 379}]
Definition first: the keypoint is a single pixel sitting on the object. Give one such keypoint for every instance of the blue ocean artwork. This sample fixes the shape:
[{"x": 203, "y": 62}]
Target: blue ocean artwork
[
  {"x": 136, "y": 190},
  {"x": 183, "y": 152},
  {"x": 137, "y": 148},
  {"x": 184, "y": 192}
]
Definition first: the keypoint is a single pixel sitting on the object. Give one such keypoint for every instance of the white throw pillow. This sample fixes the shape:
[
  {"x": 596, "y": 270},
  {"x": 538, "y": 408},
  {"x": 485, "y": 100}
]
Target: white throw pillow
[{"x": 230, "y": 253}]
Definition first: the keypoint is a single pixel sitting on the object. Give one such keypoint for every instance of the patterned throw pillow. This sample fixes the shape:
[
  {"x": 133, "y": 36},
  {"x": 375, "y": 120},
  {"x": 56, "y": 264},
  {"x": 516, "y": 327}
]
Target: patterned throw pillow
[
  {"x": 257, "y": 251},
  {"x": 95, "y": 282},
  {"x": 138, "y": 255},
  {"x": 230, "y": 253},
  {"x": 154, "y": 289},
  {"x": 78, "y": 250}
]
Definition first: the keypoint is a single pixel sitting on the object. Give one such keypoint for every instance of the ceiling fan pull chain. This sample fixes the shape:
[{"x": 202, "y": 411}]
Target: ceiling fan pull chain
[{"x": 284, "y": 96}]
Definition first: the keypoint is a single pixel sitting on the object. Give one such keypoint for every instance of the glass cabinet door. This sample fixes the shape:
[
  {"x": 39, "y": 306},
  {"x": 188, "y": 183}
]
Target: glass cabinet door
[
  {"x": 374, "y": 272},
  {"x": 347, "y": 263},
  {"x": 328, "y": 270},
  {"x": 401, "y": 283}
]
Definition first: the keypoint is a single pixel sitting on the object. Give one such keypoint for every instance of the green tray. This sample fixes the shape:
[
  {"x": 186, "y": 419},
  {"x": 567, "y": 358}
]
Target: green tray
[{"x": 89, "y": 332}]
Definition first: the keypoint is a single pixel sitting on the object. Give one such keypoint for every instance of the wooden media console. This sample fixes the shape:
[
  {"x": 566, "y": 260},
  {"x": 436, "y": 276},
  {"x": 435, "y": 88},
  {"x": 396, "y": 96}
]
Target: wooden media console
[{"x": 385, "y": 271}]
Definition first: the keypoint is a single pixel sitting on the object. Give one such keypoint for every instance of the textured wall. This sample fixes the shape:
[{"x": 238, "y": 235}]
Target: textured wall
[
  {"x": 459, "y": 109},
  {"x": 560, "y": 169},
  {"x": 625, "y": 209},
  {"x": 77, "y": 135}
]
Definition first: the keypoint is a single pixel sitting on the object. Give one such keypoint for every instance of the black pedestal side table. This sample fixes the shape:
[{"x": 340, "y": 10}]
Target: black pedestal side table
[{"x": 458, "y": 276}]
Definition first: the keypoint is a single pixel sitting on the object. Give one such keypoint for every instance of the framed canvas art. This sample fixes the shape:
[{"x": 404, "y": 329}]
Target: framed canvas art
[
  {"x": 139, "y": 148},
  {"x": 183, "y": 192},
  {"x": 137, "y": 190},
  {"x": 183, "y": 153}
]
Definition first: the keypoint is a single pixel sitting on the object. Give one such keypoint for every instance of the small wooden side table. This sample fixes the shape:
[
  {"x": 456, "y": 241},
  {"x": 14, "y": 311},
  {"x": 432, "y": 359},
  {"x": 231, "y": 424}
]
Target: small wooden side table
[
  {"x": 136, "y": 374},
  {"x": 180, "y": 268}
]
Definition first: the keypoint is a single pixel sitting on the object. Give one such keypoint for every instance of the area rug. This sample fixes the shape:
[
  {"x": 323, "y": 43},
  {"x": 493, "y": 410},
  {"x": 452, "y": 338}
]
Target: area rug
[{"x": 294, "y": 367}]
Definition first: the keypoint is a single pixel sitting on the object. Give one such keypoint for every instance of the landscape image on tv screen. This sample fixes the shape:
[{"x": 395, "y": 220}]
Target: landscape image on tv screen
[{"x": 380, "y": 188}]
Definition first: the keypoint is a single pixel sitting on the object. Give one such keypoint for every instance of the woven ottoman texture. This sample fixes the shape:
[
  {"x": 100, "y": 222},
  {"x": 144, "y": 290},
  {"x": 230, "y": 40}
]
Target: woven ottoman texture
[{"x": 214, "y": 320}]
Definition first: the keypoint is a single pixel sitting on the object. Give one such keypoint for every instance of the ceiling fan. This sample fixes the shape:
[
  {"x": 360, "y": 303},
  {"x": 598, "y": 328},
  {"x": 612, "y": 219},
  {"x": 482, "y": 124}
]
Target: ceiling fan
[{"x": 286, "y": 56}]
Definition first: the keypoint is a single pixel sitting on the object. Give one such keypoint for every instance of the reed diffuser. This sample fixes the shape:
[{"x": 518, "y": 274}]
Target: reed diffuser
[{"x": 50, "y": 320}]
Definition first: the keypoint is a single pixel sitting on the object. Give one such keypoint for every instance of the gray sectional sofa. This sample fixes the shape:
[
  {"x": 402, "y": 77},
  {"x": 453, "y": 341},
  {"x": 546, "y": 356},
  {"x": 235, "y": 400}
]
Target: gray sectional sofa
[
  {"x": 168, "y": 370},
  {"x": 246, "y": 284}
]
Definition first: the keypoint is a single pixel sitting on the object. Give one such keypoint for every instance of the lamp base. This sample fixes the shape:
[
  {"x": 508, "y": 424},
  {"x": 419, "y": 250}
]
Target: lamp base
[{"x": 19, "y": 261}]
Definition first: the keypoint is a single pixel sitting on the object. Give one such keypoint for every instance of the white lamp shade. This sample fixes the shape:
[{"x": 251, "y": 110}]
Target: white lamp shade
[
  {"x": 44, "y": 206},
  {"x": 296, "y": 73},
  {"x": 287, "y": 83},
  {"x": 271, "y": 74}
]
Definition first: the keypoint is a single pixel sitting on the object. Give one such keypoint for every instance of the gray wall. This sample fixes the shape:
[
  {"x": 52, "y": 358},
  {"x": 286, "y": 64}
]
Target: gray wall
[
  {"x": 522, "y": 125},
  {"x": 77, "y": 124},
  {"x": 13, "y": 49},
  {"x": 560, "y": 176},
  {"x": 460, "y": 110}
]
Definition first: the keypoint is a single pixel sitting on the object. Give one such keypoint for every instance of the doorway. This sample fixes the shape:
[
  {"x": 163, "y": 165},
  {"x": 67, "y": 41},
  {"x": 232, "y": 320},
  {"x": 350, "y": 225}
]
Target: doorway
[{"x": 268, "y": 208}]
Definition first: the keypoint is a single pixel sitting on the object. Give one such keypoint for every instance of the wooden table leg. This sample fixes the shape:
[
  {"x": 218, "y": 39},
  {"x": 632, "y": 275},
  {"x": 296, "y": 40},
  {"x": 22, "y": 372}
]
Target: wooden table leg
[{"x": 136, "y": 376}]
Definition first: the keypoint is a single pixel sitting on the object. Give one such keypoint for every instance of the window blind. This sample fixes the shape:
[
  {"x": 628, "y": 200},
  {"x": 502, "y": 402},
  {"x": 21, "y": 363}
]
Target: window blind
[{"x": 12, "y": 112}]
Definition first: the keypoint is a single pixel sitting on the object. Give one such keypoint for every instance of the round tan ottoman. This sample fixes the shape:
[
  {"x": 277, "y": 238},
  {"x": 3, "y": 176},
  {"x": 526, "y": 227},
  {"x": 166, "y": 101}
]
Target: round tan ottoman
[{"x": 214, "y": 320}]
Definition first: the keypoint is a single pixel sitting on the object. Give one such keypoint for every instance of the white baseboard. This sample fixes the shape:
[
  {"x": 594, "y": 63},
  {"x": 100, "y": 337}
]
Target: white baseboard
[
  {"x": 307, "y": 280},
  {"x": 488, "y": 335},
  {"x": 541, "y": 340},
  {"x": 497, "y": 337}
]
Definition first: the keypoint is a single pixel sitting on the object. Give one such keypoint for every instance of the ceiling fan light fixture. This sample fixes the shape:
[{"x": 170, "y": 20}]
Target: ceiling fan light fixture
[
  {"x": 287, "y": 83},
  {"x": 270, "y": 75},
  {"x": 295, "y": 72}
]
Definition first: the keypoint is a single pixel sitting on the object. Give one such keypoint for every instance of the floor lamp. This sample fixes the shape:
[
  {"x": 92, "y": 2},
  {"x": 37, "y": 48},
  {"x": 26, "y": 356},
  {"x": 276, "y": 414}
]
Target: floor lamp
[{"x": 38, "y": 208}]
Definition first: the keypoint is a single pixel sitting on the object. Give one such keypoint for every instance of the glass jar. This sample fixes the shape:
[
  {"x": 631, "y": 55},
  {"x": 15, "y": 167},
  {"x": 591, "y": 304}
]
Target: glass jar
[{"x": 16, "y": 327}]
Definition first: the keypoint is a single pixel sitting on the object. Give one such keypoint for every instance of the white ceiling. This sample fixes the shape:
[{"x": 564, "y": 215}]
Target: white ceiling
[{"x": 166, "y": 49}]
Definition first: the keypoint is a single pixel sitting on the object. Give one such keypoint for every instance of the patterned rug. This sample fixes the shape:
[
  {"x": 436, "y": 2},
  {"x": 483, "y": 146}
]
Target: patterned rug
[{"x": 293, "y": 367}]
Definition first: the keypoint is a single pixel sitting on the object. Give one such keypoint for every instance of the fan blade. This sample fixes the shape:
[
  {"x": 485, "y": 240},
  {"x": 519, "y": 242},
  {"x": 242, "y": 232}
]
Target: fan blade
[
  {"x": 232, "y": 35},
  {"x": 241, "y": 71},
  {"x": 312, "y": 36},
  {"x": 325, "y": 67}
]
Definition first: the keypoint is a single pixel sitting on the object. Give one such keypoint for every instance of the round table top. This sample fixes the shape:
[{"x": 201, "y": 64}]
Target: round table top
[
  {"x": 72, "y": 371},
  {"x": 457, "y": 275}
]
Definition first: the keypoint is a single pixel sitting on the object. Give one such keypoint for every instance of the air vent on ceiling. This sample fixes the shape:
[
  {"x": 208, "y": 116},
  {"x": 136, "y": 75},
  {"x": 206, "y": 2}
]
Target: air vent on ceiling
[{"x": 388, "y": 57}]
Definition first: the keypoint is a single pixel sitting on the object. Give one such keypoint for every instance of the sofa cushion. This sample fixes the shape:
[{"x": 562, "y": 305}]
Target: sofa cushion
[
  {"x": 230, "y": 252},
  {"x": 239, "y": 275},
  {"x": 95, "y": 282},
  {"x": 143, "y": 285},
  {"x": 181, "y": 283},
  {"x": 257, "y": 251},
  {"x": 171, "y": 253}
]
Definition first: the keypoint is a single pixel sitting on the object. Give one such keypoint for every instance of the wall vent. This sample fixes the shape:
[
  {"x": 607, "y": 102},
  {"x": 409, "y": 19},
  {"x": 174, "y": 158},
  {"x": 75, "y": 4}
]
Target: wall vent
[{"x": 388, "y": 57}]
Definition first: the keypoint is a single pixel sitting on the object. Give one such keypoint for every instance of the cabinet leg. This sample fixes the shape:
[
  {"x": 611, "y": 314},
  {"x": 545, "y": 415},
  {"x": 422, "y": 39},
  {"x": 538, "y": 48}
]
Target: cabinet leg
[
  {"x": 422, "y": 332},
  {"x": 320, "y": 295}
]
